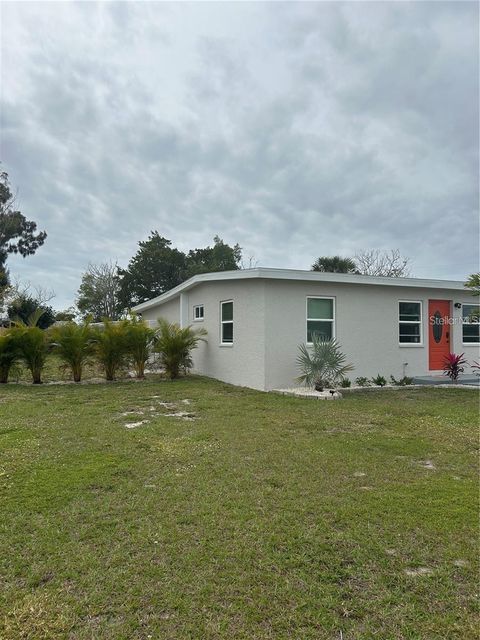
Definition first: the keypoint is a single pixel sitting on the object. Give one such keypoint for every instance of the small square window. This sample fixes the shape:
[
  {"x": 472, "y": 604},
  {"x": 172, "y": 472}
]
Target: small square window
[{"x": 198, "y": 312}]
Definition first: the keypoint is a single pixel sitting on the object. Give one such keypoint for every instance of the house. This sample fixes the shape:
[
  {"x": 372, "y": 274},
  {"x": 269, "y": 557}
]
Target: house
[{"x": 256, "y": 318}]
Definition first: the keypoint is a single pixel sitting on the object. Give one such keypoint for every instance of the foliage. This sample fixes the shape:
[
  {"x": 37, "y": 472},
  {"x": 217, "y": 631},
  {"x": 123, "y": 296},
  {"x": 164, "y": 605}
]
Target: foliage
[
  {"x": 25, "y": 305},
  {"x": 390, "y": 264},
  {"x": 362, "y": 381},
  {"x": 345, "y": 383},
  {"x": 473, "y": 283},
  {"x": 476, "y": 368},
  {"x": 139, "y": 340},
  {"x": 158, "y": 267},
  {"x": 379, "y": 381},
  {"x": 98, "y": 294},
  {"x": 334, "y": 264},
  {"x": 453, "y": 366},
  {"x": 9, "y": 354},
  {"x": 175, "y": 344},
  {"x": 111, "y": 347},
  {"x": 67, "y": 315},
  {"x": 74, "y": 345},
  {"x": 33, "y": 344},
  {"x": 323, "y": 364},
  {"x": 402, "y": 382},
  {"x": 17, "y": 234}
]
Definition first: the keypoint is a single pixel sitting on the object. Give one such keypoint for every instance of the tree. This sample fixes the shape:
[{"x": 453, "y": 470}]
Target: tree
[
  {"x": 220, "y": 257},
  {"x": 473, "y": 283},
  {"x": 156, "y": 268},
  {"x": 334, "y": 264},
  {"x": 17, "y": 234},
  {"x": 175, "y": 345},
  {"x": 23, "y": 307},
  {"x": 67, "y": 315},
  {"x": 390, "y": 264},
  {"x": 98, "y": 294}
]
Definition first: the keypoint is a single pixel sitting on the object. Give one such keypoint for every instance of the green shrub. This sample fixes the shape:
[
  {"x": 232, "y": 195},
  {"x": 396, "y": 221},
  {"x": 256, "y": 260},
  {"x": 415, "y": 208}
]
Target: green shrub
[
  {"x": 139, "y": 340},
  {"x": 362, "y": 381},
  {"x": 322, "y": 364},
  {"x": 379, "y": 380},
  {"x": 175, "y": 344},
  {"x": 111, "y": 347},
  {"x": 402, "y": 382},
  {"x": 74, "y": 345},
  {"x": 9, "y": 354},
  {"x": 345, "y": 383}
]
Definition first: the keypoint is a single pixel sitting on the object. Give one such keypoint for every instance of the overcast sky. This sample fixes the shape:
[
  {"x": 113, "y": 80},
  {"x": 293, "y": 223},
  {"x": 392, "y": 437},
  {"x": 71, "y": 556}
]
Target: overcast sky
[{"x": 294, "y": 129}]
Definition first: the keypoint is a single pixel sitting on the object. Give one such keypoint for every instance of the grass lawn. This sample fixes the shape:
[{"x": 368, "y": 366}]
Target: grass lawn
[{"x": 265, "y": 517}]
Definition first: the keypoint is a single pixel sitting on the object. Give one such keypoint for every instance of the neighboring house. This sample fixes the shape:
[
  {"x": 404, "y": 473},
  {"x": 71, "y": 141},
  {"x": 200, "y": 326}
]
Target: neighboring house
[{"x": 256, "y": 318}]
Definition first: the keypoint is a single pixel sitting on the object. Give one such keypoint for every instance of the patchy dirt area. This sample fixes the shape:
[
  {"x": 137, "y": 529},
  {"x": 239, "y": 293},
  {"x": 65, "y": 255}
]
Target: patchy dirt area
[{"x": 158, "y": 409}]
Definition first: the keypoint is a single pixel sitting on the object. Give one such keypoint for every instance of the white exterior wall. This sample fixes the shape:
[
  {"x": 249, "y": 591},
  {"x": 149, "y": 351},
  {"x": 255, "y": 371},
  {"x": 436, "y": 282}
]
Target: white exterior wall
[
  {"x": 366, "y": 325},
  {"x": 170, "y": 311}
]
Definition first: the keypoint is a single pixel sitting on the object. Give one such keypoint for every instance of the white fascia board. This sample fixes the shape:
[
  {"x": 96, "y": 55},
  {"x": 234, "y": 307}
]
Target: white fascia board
[{"x": 305, "y": 276}]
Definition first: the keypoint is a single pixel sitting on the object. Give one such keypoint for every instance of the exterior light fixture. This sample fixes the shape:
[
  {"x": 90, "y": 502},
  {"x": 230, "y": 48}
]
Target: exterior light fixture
[{"x": 458, "y": 305}]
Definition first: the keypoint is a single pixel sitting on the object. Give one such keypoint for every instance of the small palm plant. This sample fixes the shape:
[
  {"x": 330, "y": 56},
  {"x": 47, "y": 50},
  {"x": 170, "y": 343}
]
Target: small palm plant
[
  {"x": 9, "y": 354},
  {"x": 111, "y": 347},
  {"x": 322, "y": 364},
  {"x": 74, "y": 345},
  {"x": 175, "y": 344},
  {"x": 139, "y": 340},
  {"x": 33, "y": 344}
]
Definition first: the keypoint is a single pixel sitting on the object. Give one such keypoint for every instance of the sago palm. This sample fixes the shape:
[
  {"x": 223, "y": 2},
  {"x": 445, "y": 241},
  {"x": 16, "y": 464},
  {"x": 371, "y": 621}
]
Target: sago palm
[
  {"x": 175, "y": 344},
  {"x": 323, "y": 364},
  {"x": 111, "y": 347},
  {"x": 33, "y": 344},
  {"x": 9, "y": 354},
  {"x": 139, "y": 340},
  {"x": 74, "y": 345}
]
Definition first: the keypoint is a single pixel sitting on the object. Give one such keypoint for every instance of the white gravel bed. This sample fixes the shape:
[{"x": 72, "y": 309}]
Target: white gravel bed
[{"x": 304, "y": 392}]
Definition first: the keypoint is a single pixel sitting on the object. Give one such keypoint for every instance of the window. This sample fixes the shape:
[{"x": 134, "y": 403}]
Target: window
[
  {"x": 320, "y": 319},
  {"x": 226, "y": 322},
  {"x": 198, "y": 313},
  {"x": 410, "y": 322},
  {"x": 470, "y": 323}
]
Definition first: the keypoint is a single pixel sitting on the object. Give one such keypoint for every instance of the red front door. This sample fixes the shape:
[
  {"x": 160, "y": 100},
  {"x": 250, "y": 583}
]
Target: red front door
[{"x": 438, "y": 333}]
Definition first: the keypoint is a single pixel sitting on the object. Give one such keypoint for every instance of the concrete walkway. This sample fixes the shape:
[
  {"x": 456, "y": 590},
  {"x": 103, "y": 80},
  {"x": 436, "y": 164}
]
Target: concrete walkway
[{"x": 434, "y": 380}]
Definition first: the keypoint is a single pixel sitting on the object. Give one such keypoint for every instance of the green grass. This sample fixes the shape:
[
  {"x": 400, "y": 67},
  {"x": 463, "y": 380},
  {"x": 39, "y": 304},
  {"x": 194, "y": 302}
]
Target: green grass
[{"x": 250, "y": 522}]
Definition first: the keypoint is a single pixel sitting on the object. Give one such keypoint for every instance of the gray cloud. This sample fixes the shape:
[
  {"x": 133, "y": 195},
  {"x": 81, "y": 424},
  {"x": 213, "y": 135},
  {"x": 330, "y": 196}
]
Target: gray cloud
[{"x": 295, "y": 129}]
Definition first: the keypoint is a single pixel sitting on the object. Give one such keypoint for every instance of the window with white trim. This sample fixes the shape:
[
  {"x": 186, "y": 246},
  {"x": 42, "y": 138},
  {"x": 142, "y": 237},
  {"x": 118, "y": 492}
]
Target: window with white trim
[
  {"x": 320, "y": 318},
  {"x": 226, "y": 322},
  {"x": 198, "y": 312},
  {"x": 471, "y": 324},
  {"x": 409, "y": 322}
]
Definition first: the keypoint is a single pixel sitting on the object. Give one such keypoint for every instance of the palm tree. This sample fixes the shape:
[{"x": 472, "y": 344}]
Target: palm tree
[
  {"x": 139, "y": 340},
  {"x": 334, "y": 264},
  {"x": 9, "y": 354},
  {"x": 175, "y": 344},
  {"x": 74, "y": 344},
  {"x": 111, "y": 347},
  {"x": 33, "y": 344},
  {"x": 322, "y": 364},
  {"x": 473, "y": 283}
]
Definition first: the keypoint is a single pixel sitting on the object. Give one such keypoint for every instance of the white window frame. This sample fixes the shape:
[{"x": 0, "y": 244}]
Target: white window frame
[
  {"x": 469, "y": 304},
  {"x": 332, "y": 319},
  {"x": 200, "y": 318},
  {"x": 222, "y": 322},
  {"x": 419, "y": 322}
]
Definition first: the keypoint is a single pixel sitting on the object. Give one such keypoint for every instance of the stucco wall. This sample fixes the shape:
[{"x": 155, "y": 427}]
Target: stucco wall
[
  {"x": 170, "y": 311},
  {"x": 366, "y": 327}
]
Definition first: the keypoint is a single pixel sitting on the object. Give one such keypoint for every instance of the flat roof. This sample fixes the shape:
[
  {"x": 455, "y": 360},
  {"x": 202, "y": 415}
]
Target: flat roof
[{"x": 297, "y": 274}]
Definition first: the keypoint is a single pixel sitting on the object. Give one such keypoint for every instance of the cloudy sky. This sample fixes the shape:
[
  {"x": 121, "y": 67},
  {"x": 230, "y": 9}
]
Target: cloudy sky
[{"x": 295, "y": 129}]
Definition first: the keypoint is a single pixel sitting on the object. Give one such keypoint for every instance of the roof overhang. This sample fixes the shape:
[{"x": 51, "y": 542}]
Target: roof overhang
[{"x": 305, "y": 276}]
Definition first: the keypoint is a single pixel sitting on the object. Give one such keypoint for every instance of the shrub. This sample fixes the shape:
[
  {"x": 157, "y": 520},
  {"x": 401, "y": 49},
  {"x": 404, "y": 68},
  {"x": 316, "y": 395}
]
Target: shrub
[
  {"x": 9, "y": 354},
  {"x": 323, "y": 365},
  {"x": 175, "y": 344},
  {"x": 476, "y": 368},
  {"x": 139, "y": 340},
  {"x": 23, "y": 307},
  {"x": 379, "y": 380},
  {"x": 74, "y": 344},
  {"x": 402, "y": 382},
  {"x": 345, "y": 383},
  {"x": 111, "y": 347},
  {"x": 453, "y": 366},
  {"x": 362, "y": 381},
  {"x": 33, "y": 344}
]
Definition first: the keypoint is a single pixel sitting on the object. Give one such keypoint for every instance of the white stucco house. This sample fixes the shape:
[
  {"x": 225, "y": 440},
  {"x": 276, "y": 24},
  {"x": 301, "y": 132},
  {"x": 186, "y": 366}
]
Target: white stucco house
[{"x": 256, "y": 318}]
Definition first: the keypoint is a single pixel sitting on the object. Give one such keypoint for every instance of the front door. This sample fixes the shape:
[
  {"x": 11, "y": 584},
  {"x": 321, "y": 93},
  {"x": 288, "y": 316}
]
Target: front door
[{"x": 438, "y": 333}]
